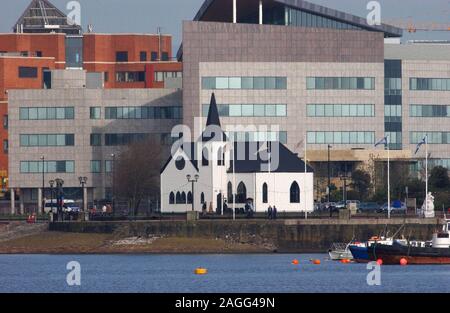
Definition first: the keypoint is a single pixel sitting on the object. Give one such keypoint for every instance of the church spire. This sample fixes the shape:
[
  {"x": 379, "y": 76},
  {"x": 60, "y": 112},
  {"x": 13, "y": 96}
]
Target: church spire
[{"x": 213, "y": 113}]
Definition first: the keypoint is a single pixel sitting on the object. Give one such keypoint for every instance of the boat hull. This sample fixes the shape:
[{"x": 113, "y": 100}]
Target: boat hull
[
  {"x": 340, "y": 255},
  {"x": 413, "y": 255},
  {"x": 360, "y": 254}
]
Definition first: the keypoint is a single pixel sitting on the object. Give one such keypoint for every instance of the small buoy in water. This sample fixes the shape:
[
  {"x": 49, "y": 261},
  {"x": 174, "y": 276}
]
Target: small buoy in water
[
  {"x": 403, "y": 262},
  {"x": 345, "y": 261},
  {"x": 380, "y": 262},
  {"x": 316, "y": 262},
  {"x": 295, "y": 262},
  {"x": 201, "y": 271}
]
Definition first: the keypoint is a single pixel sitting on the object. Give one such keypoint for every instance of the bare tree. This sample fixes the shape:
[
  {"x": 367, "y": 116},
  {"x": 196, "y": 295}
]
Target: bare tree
[{"x": 137, "y": 172}]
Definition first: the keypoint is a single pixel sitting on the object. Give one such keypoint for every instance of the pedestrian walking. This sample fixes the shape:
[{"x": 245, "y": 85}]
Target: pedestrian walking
[
  {"x": 274, "y": 213},
  {"x": 269, "y": 212}
]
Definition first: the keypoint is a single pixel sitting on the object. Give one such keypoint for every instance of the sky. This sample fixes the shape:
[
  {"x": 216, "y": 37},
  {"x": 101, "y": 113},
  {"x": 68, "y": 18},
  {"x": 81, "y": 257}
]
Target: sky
[{"x": 145, "y": 16}]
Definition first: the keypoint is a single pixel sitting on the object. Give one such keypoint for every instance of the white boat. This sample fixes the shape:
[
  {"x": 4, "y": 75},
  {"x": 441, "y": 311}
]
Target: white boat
[{"x": 340, "y": 251}]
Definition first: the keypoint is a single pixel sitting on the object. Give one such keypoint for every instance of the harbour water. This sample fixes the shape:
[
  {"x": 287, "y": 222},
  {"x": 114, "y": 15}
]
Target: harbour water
[{"x": 226, "y": 273}]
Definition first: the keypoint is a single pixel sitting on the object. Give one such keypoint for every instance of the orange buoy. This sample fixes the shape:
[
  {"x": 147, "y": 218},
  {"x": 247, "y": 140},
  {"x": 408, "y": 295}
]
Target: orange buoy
[
  {"x": 295, "y": 262},
  {"x": 380, "y": 262},
  {"x": 316, "y": 262},
  {"x": 403, "y": 262},
  {"x": 201, "y": 271},
  {"x": 345, "y": 261}
]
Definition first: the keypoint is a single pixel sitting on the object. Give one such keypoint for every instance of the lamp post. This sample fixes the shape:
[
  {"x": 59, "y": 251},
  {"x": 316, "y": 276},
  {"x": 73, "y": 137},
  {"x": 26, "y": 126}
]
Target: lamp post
[
  {"x": 329, "y": 173},
  {"x": 113, "y": 170},
  {"x": 192, "y": 181},
  {"x": 59, "y": 198},
  {"x": 344, "y": 177},
  {"x": 43, "y": 184},
  {"x": 83, "y": 181},
  {"x": 51, "y": 183}
]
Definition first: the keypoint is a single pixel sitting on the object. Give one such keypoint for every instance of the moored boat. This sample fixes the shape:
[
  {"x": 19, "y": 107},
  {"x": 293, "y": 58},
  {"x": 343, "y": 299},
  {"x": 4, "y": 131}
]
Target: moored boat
[
  {"x": 340, "y": 251},
  {"x": 435, "y": 252}
]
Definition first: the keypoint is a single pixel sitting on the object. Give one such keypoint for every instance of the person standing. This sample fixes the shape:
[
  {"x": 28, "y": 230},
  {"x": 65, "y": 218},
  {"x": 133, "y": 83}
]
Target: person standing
[
  {"x": 269, "y": 212},
  {"x": 274, "y": 213}
]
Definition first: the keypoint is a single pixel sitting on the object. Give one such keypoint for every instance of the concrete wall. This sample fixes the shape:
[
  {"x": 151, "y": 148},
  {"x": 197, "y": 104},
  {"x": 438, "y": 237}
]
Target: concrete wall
[{"x": 284, "y": 236}]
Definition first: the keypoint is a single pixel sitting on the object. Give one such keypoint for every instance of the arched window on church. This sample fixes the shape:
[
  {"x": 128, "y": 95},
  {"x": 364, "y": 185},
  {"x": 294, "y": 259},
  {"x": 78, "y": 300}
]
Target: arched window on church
[
  {"x": 220, "y": 157},
  {"x": 189, "y": 197},
  {"x": 202, "y": 198},
  {"x": 183, "y": 197},
  {"x": 230, "y": 192},
  {"x": 264, "y": 193},
  {"x": 205, "y": 157},
  {"x": 178, "y": 198},
  {"x": 172, "y": 198},
  {"x": 295, "y": 193},
  {"x": 241, "y": 196}
]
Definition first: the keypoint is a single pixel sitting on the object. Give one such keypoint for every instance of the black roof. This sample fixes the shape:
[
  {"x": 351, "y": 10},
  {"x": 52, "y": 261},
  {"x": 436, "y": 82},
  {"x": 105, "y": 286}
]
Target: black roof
[
  {"x": 248, "y": 156},
  {"x": 389, "y": 30},
  {"x": 251, "y": 158}
]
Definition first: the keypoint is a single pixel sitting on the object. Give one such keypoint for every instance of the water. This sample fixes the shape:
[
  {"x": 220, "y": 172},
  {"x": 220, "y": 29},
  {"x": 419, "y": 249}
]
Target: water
[{"x": 227, "y": 273}]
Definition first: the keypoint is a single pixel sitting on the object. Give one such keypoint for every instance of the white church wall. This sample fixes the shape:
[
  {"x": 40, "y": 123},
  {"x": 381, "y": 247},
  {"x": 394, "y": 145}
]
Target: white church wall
[{"x": 279, "y": 185}]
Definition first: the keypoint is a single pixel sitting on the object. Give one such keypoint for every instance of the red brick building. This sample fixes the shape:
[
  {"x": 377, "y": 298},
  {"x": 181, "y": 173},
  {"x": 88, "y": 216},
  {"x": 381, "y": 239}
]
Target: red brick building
[{"x": 127, "y": 60}]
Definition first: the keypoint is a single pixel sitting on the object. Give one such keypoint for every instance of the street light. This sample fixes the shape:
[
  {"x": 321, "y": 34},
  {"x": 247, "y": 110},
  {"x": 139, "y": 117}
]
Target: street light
[
  {"x": 113, "y": 170},
  {"x": 59, "y": 185},
  {"x": 192, "y": 181},
  {"x": 83, "y": 181},
  {"x": 51, "y": 183},
  {"x": 43, "y": 184},
  {"x": 329, "y": 173}
]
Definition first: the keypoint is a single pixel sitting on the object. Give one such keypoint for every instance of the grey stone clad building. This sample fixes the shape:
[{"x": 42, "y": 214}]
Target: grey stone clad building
[
  {"x": 319, "y": 75},
  {"x": 77, "y": 126},
  {"x": 323, "y": 76}
]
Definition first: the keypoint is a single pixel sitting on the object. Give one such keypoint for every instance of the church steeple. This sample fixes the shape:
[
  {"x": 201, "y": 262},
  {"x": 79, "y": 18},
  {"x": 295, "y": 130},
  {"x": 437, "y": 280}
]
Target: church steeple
[
  {"x": 213, "y": 113},
  {"x": 213, "y": 126}
]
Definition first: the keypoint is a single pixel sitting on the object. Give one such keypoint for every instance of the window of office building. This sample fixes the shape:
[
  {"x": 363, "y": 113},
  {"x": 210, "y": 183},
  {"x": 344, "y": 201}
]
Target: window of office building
[
  {"x": 165, "y": 56},
  {"x": 143, "y": 56},
  {"x": 392, "y": 86},
  {"x": 5, "y": 121},
  {"x": 255, "y": 83},
  {"x": 429, "y": 110},
  {"x": 433, "y": 84},
  {"x": 154, "y": 56},
  {"x": 296, "y": 17},
  {"x": 144, "y": 112},
  {"x": 341, "y": 110},
  {"x": 130, "y": 77},
  {"x": 249, "y": 110},
  {"x": 161, "y": 76},
  {"x": 47, "y": 140},
  {"x": 433, "y": 137},
  {"x": 260, "y": 136},
  {"x": 61, "y": 113},
  {"x": 121, "y": 56},
  {"x": 35, "y": 167},
  {"x": 95, "y": 113},
  {"x": 340, "y": 83},
  {"x": 96, "y": 140},
  {"x": 108, "y": 166},
  {"x": 96, "y": 166},
  {"x": 28, "y": 72},
  {"x": 345, "y": 137},
  {"x": 392, "y": 110},
  {"x": 74, "y": 51},
  {"x": 5, "y": 146},
  {"x": 124, "y": 139}
]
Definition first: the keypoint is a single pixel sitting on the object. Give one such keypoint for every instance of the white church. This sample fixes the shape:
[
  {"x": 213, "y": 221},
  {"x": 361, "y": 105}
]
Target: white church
[{"x": 202, "y": 175}]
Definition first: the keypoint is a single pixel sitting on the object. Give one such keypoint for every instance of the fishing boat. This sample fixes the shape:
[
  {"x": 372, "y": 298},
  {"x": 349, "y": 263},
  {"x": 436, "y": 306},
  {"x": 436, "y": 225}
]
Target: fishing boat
[
  {"x": 340, "y": 251},
  {"x": 360, "y": 250},
  {"x": 436, "y": 251}
]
